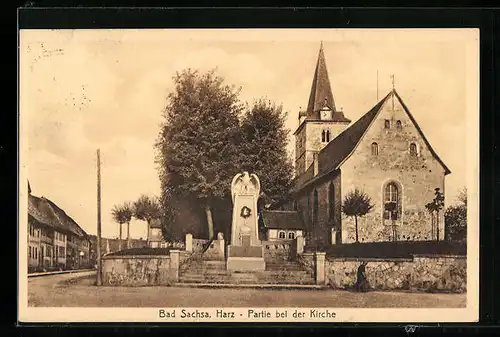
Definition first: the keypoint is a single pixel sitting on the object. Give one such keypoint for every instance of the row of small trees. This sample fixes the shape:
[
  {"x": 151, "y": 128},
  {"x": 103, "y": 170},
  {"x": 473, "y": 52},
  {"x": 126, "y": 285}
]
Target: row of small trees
[
  {"x": 145, "y": 208},
  {"x": 357, "y": 204}
]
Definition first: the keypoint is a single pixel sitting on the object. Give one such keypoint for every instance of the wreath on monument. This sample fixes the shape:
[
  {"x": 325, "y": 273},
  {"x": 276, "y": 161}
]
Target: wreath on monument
[{"x": 245, "y": 212}]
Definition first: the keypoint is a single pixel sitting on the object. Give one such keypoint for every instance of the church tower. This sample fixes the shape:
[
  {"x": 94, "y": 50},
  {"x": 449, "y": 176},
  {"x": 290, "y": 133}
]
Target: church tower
[{"x": 321, "y": 122}]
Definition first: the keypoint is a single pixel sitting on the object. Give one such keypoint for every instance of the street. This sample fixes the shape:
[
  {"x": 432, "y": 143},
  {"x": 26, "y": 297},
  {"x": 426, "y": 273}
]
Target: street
[{"x": 78, "y": 290}]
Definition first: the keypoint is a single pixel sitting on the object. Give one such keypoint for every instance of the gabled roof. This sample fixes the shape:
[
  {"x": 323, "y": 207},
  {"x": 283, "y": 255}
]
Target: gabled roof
[
  {"x": 282, "y": 220},
  {"x": 321, "y": 93},
  {"x": 341, "y": 147},
  {"x": 46, "y": 212}
]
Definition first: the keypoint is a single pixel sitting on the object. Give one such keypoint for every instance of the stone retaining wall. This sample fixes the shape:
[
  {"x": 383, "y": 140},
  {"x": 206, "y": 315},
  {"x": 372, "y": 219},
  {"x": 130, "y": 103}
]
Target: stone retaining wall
[
  {"x": 279, "y": 250},
  {"x": 198, "y": 245},
  {"x": 423, "y": 273},
  {"x": 143, "y": 270}
]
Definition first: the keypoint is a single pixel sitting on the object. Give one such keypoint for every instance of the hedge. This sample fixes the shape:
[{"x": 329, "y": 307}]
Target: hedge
[
  {"x": 143, "y": 251},
  {"x": 399, "y": 249}
]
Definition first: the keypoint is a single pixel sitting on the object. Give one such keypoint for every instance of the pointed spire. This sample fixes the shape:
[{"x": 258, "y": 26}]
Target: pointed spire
[{"x": 321, "y": 92}]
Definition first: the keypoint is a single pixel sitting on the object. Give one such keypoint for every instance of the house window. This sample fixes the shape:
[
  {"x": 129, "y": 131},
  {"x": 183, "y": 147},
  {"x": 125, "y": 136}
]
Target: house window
[
  {"x": 387, "y": 124},
  {"x": 323, "y": 136},
  {"x": 391, "y": 201},
  {"x": 331, "y": 201},
  {"x": 291, "y": 235},
  {"x": 282, "y": 235},
  {"x": 413, "y": 149},
  {"x": 315, "y": 206},
  {"x": 295, "y": 206},
  {"x": 327, "y": 136},
  {"x": 374, "y": 149},
  {"x": 398, "y": 124}
]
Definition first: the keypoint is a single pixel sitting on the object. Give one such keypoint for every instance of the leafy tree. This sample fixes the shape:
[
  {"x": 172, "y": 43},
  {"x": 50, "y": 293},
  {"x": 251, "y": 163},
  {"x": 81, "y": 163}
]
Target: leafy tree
[
  {"x": 357, "y": 204},
  {"x": 434, "y": 207},
  {"x": 263, "y": 149},
  {"x": 455, "y": 218},
  {"x": 462, "y": 196},
  {"x": 198, "y": 143},
  {"x": 181, "y": 216},
  {"x": 147, "y": 209},
  {"x": 123, "y": 214}
]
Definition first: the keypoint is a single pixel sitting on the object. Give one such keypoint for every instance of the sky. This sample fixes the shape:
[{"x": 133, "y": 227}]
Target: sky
[{"x": 81, "y": 90}]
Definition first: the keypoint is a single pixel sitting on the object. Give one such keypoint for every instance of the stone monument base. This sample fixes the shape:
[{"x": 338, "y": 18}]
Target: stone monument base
[
  {"x": 246, "y": 264},
  {"x": 250, "y": 258}
]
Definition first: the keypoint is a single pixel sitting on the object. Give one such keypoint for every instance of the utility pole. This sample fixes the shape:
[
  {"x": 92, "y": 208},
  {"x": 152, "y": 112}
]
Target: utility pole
[{"x": 99, "y": 262}]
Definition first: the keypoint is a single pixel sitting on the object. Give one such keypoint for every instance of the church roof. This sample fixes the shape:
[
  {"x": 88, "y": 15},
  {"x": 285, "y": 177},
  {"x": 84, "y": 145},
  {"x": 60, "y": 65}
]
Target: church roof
[
  {"x": 321, "y": 93},
  {"x": 341, "y": 147},
  {"x": 282, "y": 220}
]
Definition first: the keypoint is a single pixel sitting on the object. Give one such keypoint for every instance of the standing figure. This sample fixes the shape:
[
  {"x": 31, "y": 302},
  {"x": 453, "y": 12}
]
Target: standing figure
[{"x": 361, "y": 282}]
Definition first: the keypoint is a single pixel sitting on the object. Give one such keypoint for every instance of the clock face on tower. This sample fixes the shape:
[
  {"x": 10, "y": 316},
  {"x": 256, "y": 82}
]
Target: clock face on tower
[{"x": 326, "y": 114}]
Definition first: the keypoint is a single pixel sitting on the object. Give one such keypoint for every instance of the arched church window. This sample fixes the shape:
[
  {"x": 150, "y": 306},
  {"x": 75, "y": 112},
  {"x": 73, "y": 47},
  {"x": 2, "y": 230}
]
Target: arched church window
[
  {"x": 291, "y": 235},
  {"x": 391, "y": 201},
  {"x": 282, "y": 235},
  {"x": 315, "y": 206},
  {"x": 399, "y": 125},
  {"x": 387, "y": 124},
  {"x": 413, "y": 149},
  {"x": 331, "y": 201},
  {"x": 323, "y": 136},
  {"x": 327, "y": 136},
  {"x": 374, "y": 149}
]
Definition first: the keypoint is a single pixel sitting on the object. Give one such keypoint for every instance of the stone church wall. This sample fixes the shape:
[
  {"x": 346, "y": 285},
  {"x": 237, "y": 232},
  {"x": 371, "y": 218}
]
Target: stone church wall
[{"x": 416, "y": 177}]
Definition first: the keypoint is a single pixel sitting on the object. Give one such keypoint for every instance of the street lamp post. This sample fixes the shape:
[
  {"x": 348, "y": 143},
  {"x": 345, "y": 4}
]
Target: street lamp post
[{"x": 81, "y": 259}]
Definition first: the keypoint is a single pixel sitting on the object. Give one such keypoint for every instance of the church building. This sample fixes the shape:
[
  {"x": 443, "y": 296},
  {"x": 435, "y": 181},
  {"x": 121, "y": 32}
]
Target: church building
[{"x": 384, "y": 153}]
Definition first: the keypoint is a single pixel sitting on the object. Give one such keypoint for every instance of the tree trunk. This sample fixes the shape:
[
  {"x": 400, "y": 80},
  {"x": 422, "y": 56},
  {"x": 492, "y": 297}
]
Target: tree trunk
[
  {"x": 147, "y": 233},
  {"x": 432, "y": 225},
  {"x": 394, "y": 235},
  {"x": 120, "y": 241},
  {"x": 437, "y": 225},
  {"x": 128, "y": 235},
  {"x": 208, "y": 212},
  {"x": 356, "y": 220}
]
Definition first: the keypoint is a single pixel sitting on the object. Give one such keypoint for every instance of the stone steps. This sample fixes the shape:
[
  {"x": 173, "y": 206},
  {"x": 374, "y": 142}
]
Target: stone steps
[{"x": 215, "y": 272}]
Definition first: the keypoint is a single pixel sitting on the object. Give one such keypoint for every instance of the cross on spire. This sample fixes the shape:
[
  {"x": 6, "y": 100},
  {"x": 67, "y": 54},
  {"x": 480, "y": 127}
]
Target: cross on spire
[{"x": 393, "y": 85}]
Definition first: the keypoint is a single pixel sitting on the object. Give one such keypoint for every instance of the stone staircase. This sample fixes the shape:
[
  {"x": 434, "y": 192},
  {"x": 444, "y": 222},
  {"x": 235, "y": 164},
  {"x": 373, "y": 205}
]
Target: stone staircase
[{"x": 277, "y": 272}]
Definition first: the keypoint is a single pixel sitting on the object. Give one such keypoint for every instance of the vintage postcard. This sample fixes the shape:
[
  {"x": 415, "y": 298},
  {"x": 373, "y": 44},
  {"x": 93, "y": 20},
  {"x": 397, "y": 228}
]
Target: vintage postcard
[{"x": 258, "y": 175}]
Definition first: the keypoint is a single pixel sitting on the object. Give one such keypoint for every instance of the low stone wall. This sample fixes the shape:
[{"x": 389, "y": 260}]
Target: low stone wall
[
  {"x": 279, "y": 250},
  {"x": 143, "y": 270},
  {"x": 198, "y": 245},
  {"x": 307, "y": 260},
  {"x": 423, "y": 273}
]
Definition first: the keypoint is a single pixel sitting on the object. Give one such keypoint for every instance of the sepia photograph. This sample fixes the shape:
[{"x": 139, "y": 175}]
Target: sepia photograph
[{"x": 249, "y": 175}]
